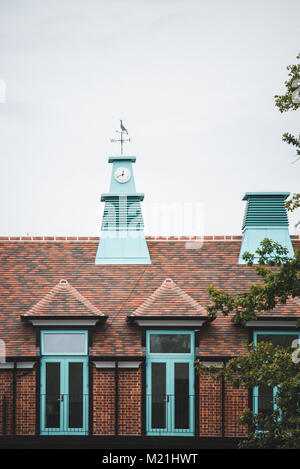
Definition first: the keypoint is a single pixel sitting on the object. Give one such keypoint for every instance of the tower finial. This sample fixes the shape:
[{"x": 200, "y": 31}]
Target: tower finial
[{"x": 122, "y": 140}]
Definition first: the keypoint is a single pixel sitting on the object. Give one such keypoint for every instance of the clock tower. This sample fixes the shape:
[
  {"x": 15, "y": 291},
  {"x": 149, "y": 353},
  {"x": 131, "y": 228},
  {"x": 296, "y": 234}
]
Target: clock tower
[{"x": 122, "y": 238}]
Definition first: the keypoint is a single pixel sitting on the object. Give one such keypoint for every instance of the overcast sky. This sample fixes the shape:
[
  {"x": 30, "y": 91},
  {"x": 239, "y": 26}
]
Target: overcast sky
[{"x": 192, "y": 80}]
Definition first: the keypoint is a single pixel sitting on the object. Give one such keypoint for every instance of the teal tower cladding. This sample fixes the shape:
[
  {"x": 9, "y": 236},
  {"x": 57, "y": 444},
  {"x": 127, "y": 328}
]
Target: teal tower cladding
[
  {"x": 265, "y": 217},
  {"x": 122, "y": 238}
]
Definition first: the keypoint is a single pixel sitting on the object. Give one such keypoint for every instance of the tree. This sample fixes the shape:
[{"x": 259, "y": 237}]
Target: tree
[
  {"x": 293, "y": 203},
  {"x": 265, "y": 365},
  {"x": 279, "y": 279},
  {"x": 290, "y": 101},
  {"x": 290, "y": 139}
]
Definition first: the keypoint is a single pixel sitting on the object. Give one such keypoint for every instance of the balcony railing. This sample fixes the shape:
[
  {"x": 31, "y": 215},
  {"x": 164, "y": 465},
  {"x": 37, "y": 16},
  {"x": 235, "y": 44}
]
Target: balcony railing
[
  {"x": 64, "y": 413},
  {"x": 170, "y": 413},
  {"x": 207, "y": 414}
]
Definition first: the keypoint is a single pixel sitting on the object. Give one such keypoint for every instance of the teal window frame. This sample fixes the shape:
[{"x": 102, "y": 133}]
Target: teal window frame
[
  {"x": 64, "y": 391},
  {"x": 64, "y": 359},
  {"x": 170, "y": 359},
  {"x": 275, "y": 389},
  {"x": 171, "y": 332},
  {"x": 62, "y": 331},
  {"x": 256, "y": 333}
]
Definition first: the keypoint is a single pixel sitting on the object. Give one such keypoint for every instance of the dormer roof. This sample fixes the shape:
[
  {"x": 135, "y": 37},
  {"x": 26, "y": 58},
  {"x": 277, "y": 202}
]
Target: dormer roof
[
  {"x": 169, "y": 300},
  {"x": 63, "y": 300}
]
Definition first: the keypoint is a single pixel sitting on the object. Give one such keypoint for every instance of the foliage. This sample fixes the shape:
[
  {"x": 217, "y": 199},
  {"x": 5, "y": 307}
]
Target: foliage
[
  {"x": 293, "y": 203},
  {"x": 266, "y": 365},
  {"x": 286, "y": 102},
  {"x": 291, "y": 140},
  {"x": 279, "y": 279}
]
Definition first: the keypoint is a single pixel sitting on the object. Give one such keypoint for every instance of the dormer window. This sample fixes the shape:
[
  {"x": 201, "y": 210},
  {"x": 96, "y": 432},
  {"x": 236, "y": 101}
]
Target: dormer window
[
  {"x": 169, "y": 343},
  {"x": 64, "y": 343}
]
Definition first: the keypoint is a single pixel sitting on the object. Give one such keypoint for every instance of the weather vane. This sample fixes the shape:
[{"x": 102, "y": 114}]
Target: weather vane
[{"x": 122, "y": 140}]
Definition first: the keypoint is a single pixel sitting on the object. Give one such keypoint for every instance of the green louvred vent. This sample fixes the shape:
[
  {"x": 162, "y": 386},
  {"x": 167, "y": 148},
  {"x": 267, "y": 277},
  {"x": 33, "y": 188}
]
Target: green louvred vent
[
  {"x": 265, "y": 217},
  {"x": 122, "y": 213},
  {"x": 265, "y": 210}
]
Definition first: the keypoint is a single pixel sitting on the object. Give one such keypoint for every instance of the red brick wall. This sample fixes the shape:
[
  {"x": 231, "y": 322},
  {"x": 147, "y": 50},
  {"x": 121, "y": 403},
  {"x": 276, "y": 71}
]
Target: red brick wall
[
  {"x": 6, "y": 391},
  {"x": 236, "y": 401},
  {"x": 129, "y": 410},
  {"x": 210, "y": 408},
  {"x": 25, "y": 401},
  {"x": 130, "y": 393},
  {"x": 103, "y": 402}
]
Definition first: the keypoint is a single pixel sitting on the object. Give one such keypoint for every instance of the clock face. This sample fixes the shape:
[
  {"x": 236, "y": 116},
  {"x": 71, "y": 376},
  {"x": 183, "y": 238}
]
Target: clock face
[{"x": 122, "y": 175}]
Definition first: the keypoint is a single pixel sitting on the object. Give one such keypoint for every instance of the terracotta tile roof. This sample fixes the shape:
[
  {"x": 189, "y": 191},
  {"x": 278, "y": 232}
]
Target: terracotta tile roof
[
  {"x": 169, "y": 300},
  {"x": 63, "y": 300},
  {"x": 296, "y": 301},
  {"x": 30, "y": 268}
]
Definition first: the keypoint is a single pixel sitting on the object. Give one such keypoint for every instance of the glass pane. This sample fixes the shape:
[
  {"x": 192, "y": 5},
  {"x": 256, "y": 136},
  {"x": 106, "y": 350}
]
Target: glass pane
[
  {"x": 265, "y": 400},
  {"x": 158, "y": 398},
  {"x": 76, "y": 395},
  {"x": 181, "y": 395},
  {"x": 53, "y": 395},
  {"x": 64, "y": 343},
  {"x": 285, "y": 340},
  {"x": 170, "y": 343}
]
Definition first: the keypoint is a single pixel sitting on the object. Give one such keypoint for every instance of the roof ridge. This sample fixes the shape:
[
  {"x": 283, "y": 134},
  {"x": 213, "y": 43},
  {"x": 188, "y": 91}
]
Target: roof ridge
[
  {"x": 206, "y": 238},
  {"x": 63, "y": 286}
]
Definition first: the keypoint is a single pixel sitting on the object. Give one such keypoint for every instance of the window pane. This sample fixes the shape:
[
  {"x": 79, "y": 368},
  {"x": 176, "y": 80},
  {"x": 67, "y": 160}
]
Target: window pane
[
  {"x": 265, "y": 400},
  {"x": 64, "y": 343},
  {"x": 170, "y": 343},
  {"x": 285, "y": 340},
  {"x": 53, "y": 395},
  {"x": 76, "y": 395},
  {"x": 158, "y": 397},
  {"x": 181, "y": 395}
]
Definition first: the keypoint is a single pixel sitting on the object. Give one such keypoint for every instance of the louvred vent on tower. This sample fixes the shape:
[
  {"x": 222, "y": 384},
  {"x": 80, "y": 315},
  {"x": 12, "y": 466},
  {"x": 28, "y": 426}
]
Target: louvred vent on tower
[{"x": 265, "y": 217}]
